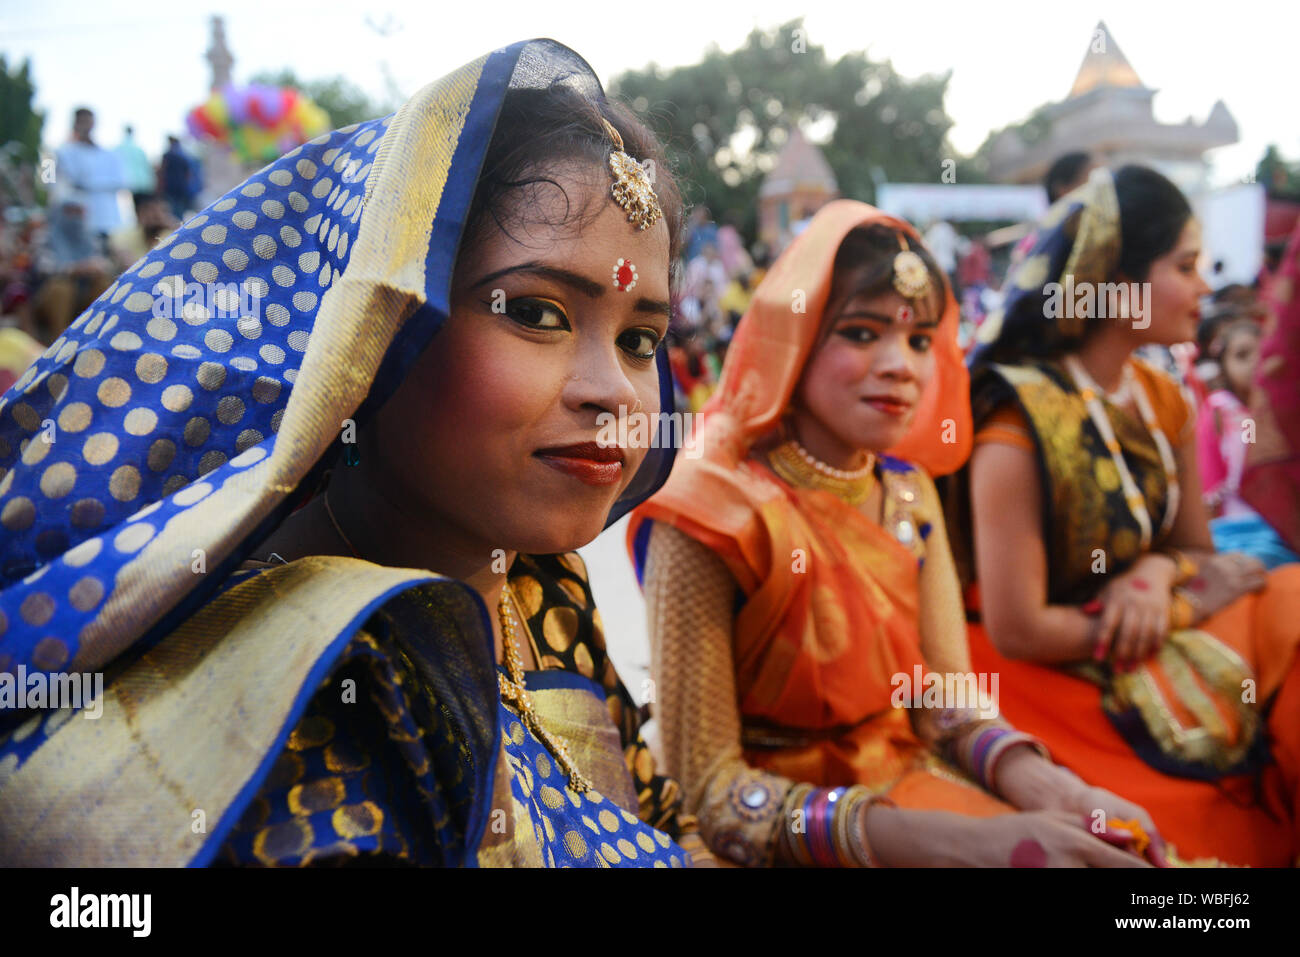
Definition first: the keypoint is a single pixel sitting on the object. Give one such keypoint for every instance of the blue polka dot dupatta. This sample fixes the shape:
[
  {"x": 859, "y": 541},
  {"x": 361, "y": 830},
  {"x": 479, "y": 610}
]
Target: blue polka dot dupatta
[{"x": 177, "y": 421}]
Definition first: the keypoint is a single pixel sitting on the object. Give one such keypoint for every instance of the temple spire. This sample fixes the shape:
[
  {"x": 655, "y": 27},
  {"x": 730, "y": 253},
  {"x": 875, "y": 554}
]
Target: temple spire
[
  {"x": 218, "y": 56},
  {"x": 1103, "y": 65}
]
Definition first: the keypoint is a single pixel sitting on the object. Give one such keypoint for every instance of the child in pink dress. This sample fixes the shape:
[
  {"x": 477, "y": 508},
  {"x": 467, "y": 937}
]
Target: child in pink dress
[{"x": 1225, "y": 431}]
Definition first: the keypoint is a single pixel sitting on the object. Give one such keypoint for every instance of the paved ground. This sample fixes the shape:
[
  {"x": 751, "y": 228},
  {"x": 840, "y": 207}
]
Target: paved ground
[{"x": 621, "y": 608}]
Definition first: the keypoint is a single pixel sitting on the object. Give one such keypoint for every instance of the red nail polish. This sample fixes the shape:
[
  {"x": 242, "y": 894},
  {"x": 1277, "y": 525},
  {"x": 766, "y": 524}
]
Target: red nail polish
[
  {"x": 1141, "y": 584},
  {"x": 1093, "y": 607}
]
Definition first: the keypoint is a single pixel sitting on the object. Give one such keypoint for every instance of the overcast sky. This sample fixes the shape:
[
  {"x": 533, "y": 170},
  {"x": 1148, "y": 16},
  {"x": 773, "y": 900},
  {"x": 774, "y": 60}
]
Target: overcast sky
[{"x": 143, "y": 62}]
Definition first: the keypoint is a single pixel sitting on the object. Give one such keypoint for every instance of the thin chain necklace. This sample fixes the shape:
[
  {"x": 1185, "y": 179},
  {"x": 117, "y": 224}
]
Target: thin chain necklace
[
  {"x": 325, "y": 497},
  {"x": 1137, "y": 504},
  {"x": 798, "y": 466},
  {"x": 516, "y": 694}
]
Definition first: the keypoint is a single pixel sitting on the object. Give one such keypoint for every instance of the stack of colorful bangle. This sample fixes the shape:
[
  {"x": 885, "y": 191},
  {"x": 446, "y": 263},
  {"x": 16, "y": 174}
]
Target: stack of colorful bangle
[
  {"x": 824, "y": 826},
  {"x": 986, "y": 748}
]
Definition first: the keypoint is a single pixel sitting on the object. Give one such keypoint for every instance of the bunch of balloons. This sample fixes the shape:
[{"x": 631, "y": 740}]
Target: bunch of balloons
[{"x": 259, "y": 123}]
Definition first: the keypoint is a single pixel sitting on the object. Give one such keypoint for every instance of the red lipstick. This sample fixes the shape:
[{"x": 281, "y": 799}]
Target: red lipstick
[
  {"x": 586, "y": 461},
  {"x": 888, "y": 404}
]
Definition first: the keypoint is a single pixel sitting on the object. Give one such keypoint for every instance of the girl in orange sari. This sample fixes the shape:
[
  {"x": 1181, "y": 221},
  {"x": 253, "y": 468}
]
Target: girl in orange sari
[
  {"x": 1143, "y": 658},
  {"x": 802, "y": 596}
]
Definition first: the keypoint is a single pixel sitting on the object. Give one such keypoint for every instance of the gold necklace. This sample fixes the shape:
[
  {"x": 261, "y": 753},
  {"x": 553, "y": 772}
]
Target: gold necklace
[
  {"x": 512, "y": 687},
  {"x": 514, "y": 693},
  {"x": 798, "y": 466}
]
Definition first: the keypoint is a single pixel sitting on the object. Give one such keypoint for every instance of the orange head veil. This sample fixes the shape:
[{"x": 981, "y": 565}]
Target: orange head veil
[{"x": 775, "y": 338}]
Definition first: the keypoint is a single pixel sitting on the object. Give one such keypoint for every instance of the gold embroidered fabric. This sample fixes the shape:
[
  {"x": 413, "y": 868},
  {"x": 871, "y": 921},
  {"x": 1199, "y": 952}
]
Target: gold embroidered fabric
[
  {"x": 747, "y": 815},
  {"x": 97, "y": 794},
  {"x": 1084, "y": 508},
  {"x": 564, "y": 627},
  {"x": 689, "y": 595},
  {"x": 943, "y": 631}
]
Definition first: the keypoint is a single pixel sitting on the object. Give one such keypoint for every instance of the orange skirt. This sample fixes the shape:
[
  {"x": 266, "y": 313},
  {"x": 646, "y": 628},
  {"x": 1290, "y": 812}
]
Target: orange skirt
[{"x": 1244, "y": 820}]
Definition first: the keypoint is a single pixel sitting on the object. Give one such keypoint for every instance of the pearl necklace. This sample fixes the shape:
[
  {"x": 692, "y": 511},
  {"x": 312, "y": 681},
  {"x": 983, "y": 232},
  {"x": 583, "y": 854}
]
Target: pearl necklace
[
  {"x": 798, "y": 466},
  {"x": 515, "y": 693},
  {"x": 1090, "y": 391},
  {"x": 845, "y": 474}
]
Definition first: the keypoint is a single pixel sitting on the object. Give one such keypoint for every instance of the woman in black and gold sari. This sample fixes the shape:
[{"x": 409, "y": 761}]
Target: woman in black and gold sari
[
  {"x": 305, "y": 484},
  {"x": 1147, "y": 661}
]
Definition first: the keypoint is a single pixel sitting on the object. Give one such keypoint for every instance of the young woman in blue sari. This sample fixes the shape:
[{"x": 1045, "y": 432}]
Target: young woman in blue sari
[{"x": 305, "y": 482}]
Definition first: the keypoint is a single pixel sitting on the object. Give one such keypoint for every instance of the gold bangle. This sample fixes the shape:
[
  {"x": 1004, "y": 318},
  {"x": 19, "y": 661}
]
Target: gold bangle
[
  {"x": 1185, "y": 568},
  {"x": 1182, "y": 613},
  {"x": 846, "y": 808},
  {"x": 859, "y": 846},
  {"x": 790, "y": 841}
]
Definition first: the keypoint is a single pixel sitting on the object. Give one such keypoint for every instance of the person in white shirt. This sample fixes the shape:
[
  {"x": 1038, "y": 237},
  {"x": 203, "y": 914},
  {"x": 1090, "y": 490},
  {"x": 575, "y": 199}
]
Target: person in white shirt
[{"x": 94, "y": 173}]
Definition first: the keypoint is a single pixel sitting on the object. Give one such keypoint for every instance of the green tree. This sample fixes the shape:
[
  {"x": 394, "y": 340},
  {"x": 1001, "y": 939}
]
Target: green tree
[
  {"x": 1277, "y": 176},
  {"x": 725, "y": 118},
  {"x": 1032, "y": 129},
  {"x": 20, "y": 125},
  {"x": 345, "y": 102}
]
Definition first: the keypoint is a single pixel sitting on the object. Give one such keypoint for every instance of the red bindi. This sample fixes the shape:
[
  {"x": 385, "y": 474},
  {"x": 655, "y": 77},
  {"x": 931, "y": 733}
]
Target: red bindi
[{"x": 625, "y": 275}]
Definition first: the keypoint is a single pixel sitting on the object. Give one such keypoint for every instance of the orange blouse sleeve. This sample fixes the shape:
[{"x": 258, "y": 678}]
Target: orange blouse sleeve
[
  {"x": 1006, "y": 425},
  {"x": 1169, "y": 401}
]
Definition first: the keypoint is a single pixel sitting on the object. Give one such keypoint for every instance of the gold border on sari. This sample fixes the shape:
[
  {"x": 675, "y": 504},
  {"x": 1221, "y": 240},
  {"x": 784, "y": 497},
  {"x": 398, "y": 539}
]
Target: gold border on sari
[{"x": 186, "y": 726}]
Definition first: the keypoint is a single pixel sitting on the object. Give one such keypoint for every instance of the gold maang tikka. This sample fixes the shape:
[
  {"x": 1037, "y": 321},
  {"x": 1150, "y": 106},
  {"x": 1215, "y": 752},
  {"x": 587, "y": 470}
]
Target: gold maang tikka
[
  {"x": 911, "y": 278},
  {"x": 631, "y": 190}
]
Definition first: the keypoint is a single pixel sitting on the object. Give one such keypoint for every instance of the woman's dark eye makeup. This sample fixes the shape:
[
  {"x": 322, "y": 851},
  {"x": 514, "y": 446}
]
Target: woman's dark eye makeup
[
  {"x": 641, "y": 343},
  {"x": 534, "y": 312},
  {"x": 537, "y": 313},
  {"x": 857, "y": 332},
  {"x": 863, "y": 333}
]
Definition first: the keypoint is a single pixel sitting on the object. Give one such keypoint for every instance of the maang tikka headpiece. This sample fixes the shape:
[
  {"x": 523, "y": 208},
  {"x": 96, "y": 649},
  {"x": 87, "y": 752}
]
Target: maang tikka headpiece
[
  {"x": 631, "y": 190},
  {"x": 911, "y": 278}
]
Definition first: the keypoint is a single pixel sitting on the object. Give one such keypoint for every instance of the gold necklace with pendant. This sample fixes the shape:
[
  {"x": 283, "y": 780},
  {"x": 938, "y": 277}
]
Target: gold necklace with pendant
[{"x": 514, "y": 693}]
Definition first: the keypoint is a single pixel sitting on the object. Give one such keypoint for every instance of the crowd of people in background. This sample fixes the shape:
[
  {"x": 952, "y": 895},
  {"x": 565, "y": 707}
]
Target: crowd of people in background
[
  {"x": 104, "y": 209},
  {"x": 55, "y": 261},
  {"x": 719, "y": 276}
]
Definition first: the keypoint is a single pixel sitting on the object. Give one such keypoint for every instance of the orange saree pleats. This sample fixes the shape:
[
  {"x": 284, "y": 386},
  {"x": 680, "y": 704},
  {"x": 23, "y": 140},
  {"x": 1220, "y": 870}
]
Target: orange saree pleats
[{"x": 1242, "y": 819}]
